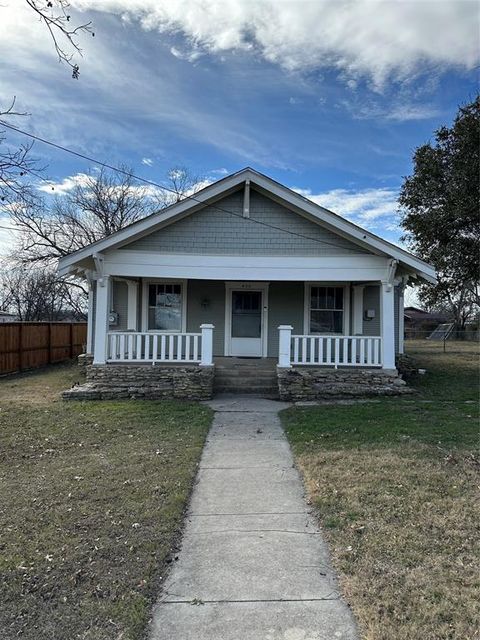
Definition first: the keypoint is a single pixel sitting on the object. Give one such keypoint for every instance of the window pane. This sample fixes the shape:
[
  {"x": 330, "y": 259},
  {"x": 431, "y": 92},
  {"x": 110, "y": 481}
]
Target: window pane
[
  {"x": 152, "y": 295},
  {"x": 165, "y": 307},
  {"x": 339, "y": 298},
  {"x": 314, "y": 298},
  {"x": 330, "y": 298},
  {"x": 326, "y": 321}
]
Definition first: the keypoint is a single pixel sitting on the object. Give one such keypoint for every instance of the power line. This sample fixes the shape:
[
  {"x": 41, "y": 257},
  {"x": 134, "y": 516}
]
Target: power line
[{"x": 160, "y": 186}]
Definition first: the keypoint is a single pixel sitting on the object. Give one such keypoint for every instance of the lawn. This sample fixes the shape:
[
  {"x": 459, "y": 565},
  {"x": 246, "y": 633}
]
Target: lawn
[
  {"x": 92, "y": 497},
  {"x": 395, "y": 484}
]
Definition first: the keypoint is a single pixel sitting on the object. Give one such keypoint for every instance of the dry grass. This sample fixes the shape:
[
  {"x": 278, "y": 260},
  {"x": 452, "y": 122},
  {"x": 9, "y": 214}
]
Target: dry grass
[
  {"x": 91, "y": 503},
  {"x": 396, "y": 487}
]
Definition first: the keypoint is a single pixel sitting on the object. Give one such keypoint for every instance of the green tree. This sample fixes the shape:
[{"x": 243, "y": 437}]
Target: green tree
[{"x": 439, "y": 203}]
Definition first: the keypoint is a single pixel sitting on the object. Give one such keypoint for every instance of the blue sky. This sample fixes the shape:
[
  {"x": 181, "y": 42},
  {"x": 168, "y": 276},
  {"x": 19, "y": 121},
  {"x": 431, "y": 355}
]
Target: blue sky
[{"x": 329, "y": 98}]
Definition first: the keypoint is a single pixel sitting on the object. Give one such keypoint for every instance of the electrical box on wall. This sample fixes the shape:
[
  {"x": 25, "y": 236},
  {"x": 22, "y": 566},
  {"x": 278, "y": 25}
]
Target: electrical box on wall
[
  {"x": 113, "y": 318},
  {"x": 370, "y": 314}
]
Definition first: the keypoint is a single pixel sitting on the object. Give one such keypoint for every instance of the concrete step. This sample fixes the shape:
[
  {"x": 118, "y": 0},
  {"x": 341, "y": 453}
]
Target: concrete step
[
  {"x": 266, "y": 392},
  {"x": 239, "y": 375}
]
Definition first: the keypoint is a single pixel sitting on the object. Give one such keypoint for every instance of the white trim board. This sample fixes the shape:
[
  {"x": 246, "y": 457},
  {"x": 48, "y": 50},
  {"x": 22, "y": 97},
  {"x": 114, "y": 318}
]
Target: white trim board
[
  {"x": 223, "y": 187},
  {"x": 149, "y": 265}
]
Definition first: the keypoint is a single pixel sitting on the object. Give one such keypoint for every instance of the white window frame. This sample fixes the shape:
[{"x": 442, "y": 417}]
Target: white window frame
[
  {"x": 145, "y": 286},
  {"x": 346, "y": 306}
]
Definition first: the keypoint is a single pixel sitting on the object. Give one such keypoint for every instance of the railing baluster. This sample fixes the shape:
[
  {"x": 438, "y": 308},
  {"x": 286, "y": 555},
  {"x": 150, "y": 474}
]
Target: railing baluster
[
  {"x": 320, "y": 350},
  {"x": 312, "y": 350},
  {"x": 179, "y": 353},
  {"x": 295, "y": 350},
  {"x": 170, "y": 348},
  {"x": 146, "y": 354},
  {"x": 304, "y": 350},
  {"x": 329, "y": 350},
  {"x": 187, "y": 348},
  {"x": 155, "y": 348},
  {"x": 195, "y": 348},
  {"x": 163, "y": 341},
  {"x": 122, "y": 346},
  {"x": 353, "y": 354},
  {"x": 337, "y": 352}
]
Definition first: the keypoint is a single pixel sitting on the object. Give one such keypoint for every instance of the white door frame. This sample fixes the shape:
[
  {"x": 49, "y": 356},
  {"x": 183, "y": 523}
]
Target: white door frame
[{"x": 246, "y": 286}]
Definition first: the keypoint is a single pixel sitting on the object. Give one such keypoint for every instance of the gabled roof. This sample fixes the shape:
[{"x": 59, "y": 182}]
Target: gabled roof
[{"x": 270, "y": 188}]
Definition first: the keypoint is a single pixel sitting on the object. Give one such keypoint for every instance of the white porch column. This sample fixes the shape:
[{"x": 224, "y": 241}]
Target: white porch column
[
  {"x": 132, "y": 305},
  {"x": 89, "y": 347},
  {"x": 401, "y": 319},
  {"x": 101, "y": 320},
  {"x": 358, "y": 310},
  {"x": 387, "y": 324},
  {"x": 207, "y": 345},
  {"x": 284, "y": 345}
]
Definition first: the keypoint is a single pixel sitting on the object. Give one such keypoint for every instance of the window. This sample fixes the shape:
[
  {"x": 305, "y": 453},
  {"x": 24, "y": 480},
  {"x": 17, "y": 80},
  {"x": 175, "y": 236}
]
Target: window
[
  {"x": 326, "y": 309},
  {"x": 165, "y": 307}
]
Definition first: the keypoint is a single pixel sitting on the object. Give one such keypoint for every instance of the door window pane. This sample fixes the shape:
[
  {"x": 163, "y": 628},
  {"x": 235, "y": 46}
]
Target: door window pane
[
  {"x": 165, "y": 307},
  {"x": 246, "y": 314}
]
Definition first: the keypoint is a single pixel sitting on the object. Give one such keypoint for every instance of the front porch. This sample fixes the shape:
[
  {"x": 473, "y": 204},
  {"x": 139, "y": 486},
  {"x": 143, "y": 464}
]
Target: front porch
[
  {"x": 155, "y": 321},
  {"x": 231, "y": 336}
]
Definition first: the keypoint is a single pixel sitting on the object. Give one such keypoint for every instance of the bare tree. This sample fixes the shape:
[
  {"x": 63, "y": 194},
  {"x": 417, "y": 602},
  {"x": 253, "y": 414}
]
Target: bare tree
[
  {"x": 16, "y": 165},
  {"x": 100, "y": 204},
  {"x": 36, "y": 293},
  {"x": 55, "y": 15},
  {"x": 180, "y": 184}
]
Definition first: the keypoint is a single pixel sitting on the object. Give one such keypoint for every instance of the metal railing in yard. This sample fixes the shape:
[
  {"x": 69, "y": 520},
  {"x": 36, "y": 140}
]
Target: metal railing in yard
[
  {"x": 336, "y": 351},
  {"x": 151, "y": 347}
]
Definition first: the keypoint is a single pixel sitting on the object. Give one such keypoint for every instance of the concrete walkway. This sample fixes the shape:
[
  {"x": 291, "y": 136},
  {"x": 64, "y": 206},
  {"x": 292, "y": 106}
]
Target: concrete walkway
[{"x": 253, "y": 564}]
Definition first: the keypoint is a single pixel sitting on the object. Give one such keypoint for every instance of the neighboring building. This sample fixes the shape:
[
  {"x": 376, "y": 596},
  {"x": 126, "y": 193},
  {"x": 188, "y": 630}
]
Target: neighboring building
[
  {"x": 5, "y": 316},
  {"x": 246, "y": 268},
  {"x": 419, "y": 323}
]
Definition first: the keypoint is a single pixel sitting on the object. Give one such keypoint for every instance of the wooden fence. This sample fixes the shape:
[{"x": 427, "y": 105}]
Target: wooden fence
[{"x": 27, "y": 345}]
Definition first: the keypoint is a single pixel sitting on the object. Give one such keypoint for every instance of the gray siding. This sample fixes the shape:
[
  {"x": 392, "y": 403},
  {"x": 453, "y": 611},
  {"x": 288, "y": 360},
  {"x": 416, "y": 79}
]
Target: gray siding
[
  {"x": 371, "y": 300},
  {"x": 212, "y": 231},
  {"x": 120, "y": 304},
  {"x": 285, "y": 306},
  {"x": 213, "y": 292}
]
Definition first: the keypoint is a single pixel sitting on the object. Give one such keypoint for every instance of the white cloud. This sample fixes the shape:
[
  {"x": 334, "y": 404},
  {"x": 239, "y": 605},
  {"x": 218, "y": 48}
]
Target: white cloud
[
  {"x": 64, "y": 186},
  {"x": 374, "y": 209},
  {"x": 147, "y": 161},
  {"x": 402, "y": 112},
  {"x": 361, "y": 38}
]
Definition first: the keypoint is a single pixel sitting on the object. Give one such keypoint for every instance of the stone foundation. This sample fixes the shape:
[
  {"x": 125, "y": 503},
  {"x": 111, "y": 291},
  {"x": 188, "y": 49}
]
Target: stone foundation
[
  {"x": 315, "y": 383},
  {"x": 85, "y": 359},
  {"x": 111, "y": 382}
]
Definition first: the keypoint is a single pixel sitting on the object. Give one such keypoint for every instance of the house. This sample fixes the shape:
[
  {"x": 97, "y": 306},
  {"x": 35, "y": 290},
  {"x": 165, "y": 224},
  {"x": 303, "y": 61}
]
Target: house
[
  {"x": 245, "y": 285},
  {"x": 5, "y": 316}
]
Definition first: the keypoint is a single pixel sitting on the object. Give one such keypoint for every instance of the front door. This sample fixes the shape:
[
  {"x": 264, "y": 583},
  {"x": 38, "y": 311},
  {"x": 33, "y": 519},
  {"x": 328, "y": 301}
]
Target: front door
[{"x": 246, "y": 325}]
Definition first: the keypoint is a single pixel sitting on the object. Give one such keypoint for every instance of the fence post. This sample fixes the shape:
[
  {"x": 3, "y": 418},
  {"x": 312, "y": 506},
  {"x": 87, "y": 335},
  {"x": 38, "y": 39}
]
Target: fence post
[
  {"x": 20, "y": 347},
  {"x": 49, "y": 357},
  {"x": 207, "y": 345},
  {"x": 71, "y": 340},
  {"x": 284, "y": 345}
]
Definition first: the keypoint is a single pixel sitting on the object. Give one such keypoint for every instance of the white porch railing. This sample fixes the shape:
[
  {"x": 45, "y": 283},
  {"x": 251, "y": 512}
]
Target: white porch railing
[
  {"x": 343, "y": 351},
  {"x": 134, "y": 346}
]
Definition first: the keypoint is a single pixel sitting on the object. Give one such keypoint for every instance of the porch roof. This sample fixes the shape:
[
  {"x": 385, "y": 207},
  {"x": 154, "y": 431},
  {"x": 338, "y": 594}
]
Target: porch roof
[{"x": 83, "y": 258}]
